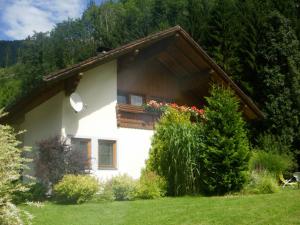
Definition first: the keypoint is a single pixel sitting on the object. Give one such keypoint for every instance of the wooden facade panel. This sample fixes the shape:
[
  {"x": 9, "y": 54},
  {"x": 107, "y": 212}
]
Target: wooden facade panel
[
  {"x": 149, "y": 79},
  {"x": 173, "y": 65},
  {"x": 173, "y": 72},
  {"x": 190, "y": 66},
  {"x": 161, "y": 77}
]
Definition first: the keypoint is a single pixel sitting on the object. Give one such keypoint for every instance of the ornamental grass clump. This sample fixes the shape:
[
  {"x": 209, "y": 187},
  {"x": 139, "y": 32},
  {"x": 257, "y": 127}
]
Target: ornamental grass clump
[
  {"x": 261, "y": 182},
  {"x": 272, "y": 162},
  {"x": 173, "y": 152},
  {"x": 272, "y": 155}
]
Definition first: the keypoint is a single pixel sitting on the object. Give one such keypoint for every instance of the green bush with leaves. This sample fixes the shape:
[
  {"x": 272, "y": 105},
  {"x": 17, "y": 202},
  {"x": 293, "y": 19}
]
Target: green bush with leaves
[
  {"x": 270, "y": 161},
  {"x": 271, "y": 154},
  {"x": 150, "y": 186},
  {"x": 261, "y": 183},
  {"x": 11, "y": 165},
  {"x": 173, "y": 152},
  {"x": 120, "y": 188},
  {"x": 35, "y": 192},
  {"x": 76, "y": 189},
  {"x": 224, "y": 154}
]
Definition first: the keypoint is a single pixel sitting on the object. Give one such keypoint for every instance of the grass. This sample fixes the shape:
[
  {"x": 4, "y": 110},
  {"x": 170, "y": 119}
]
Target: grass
[{"x": 280, "y": 208}]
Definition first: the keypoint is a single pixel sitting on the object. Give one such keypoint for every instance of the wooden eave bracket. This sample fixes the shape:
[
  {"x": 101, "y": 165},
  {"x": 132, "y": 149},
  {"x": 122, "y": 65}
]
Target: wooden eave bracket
[{"x": 70, "y": 84}]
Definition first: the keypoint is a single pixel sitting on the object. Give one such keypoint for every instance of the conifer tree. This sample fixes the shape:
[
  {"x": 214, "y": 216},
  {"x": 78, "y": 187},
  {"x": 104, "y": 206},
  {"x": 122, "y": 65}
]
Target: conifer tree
[
  {"x": 224, "y": 156},
  {"x": 279, "y": 75}
]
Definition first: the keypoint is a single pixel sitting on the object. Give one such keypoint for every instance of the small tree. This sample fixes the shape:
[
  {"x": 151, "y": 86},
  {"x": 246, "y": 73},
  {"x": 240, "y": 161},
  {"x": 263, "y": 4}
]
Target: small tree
[
  {"x": 11, "y": 166},
  {"x": 224, "y": 159},
  {"x": 55, "y": 158}
]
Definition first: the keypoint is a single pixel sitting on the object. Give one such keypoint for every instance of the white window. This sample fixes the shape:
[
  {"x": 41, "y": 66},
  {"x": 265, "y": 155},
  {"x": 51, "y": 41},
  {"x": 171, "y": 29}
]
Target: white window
[{"x": 136, "y": 100}]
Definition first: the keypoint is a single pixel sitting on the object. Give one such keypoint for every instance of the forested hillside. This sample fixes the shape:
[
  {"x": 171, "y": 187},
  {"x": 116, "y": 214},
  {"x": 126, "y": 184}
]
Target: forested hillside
[
  {"x": 9, "y": 51},
  {"x": 255, "y": 41}
]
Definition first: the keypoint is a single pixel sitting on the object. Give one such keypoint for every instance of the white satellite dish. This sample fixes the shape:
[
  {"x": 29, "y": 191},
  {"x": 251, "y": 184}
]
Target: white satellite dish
[{"x": 76, "y": 102}]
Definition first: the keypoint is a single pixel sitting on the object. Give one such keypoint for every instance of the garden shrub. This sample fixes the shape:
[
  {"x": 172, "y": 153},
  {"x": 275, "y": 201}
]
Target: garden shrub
[
  {"x": 261, "y": 183},
  {"x": 76, "y": 189},
  {"x": 173, "y": 152},
  {"x": 209, "y": 155},
  {"x": 105, "y": 194},
  {"x": 35, "y": 192},
  {"x": 54, "y": 159},
  {"x": 120, "y": 188},
  {"x": 272, "y": 154},
  {"x": 11, "y": 215},
  {"x": 150, "y": 186},
  {"x": 224, "y": 154},
  {"x": 270, "y": 161},
  {"x": 11, "y": 165}
]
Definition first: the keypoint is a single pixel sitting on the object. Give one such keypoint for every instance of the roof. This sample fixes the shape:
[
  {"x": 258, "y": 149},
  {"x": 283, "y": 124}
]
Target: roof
[{"x": 85, "y": 65}]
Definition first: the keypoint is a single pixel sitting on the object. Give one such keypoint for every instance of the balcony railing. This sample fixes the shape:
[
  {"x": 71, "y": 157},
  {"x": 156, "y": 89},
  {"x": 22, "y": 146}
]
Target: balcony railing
[{"x": 131, "y": 116}]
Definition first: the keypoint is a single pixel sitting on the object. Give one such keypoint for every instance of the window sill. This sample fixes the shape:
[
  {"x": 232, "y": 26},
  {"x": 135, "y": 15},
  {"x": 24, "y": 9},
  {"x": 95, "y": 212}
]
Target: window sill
[{"x": 107, "y": 168}]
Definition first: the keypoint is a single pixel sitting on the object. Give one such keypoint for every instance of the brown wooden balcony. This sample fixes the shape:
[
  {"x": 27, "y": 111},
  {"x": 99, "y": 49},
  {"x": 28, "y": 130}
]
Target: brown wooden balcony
[{"x": 131, "y": 116}]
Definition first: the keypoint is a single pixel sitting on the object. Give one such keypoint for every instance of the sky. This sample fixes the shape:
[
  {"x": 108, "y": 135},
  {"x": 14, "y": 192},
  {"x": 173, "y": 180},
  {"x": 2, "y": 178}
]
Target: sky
[{"x": 20, "y": 18}]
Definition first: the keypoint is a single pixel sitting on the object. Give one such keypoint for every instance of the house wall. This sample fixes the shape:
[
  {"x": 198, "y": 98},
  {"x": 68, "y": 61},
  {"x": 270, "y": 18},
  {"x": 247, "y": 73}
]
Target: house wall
[
  {"x": 133, "y": 147},
  {"x": 98, "y": 90},
  {"x": 43, "y": 122}
]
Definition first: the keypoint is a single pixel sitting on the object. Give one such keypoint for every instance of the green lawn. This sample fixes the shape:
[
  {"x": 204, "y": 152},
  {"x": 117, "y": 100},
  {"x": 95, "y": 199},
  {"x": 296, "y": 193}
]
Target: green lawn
[{"x": 280, "y": 208}]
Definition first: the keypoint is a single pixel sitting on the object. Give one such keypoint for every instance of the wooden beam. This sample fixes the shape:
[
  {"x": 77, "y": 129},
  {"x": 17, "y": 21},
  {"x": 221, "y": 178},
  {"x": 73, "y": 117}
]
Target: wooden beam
[{"x": 71, "y": 83}]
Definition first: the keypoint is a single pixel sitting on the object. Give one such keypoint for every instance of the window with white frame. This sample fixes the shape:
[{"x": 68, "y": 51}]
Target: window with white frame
[{"x": 137, "y": 100}]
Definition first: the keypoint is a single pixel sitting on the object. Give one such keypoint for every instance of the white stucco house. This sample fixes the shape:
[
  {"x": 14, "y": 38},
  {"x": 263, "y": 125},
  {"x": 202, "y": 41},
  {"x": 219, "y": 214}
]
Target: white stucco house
[{"x": 114, "y": 130}]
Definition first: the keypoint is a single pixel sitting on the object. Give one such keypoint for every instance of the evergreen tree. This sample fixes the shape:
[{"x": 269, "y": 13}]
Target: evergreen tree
[
  {"x": 222, "y": 39},
  {"x": 224, "y": 156},
  {"x": 279, "y": 75}
]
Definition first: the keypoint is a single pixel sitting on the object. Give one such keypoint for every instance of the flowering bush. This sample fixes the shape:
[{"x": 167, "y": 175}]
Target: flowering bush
[{"x": 160, "y": 107}]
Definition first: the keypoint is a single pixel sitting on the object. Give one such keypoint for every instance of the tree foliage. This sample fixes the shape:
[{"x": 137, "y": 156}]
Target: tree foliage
[
  {"x": 224, "y": 157},
  {"x": 55, "y": 158},
  {"x": 209, "y": 156},
  {"x": 11, "y": 166},
  {"x": 254, "y": 41}
]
